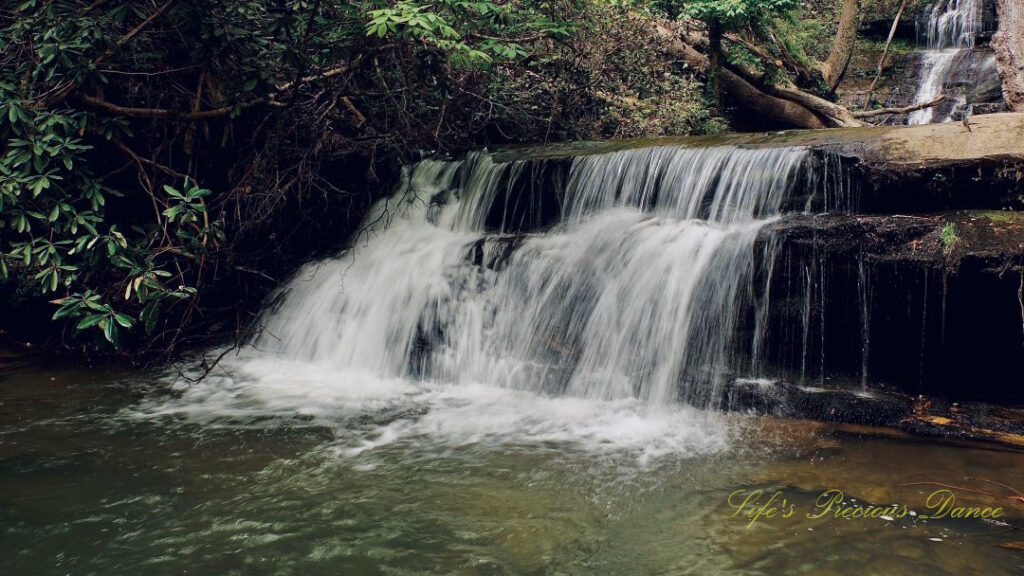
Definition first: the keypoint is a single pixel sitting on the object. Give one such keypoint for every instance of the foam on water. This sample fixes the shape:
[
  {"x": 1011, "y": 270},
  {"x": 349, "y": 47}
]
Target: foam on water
[{"x": 367, "y": 412}]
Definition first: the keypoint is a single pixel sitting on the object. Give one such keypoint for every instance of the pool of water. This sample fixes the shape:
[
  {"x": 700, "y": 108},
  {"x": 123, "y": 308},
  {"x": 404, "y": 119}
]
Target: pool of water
[{"x": 279, "y": 468}]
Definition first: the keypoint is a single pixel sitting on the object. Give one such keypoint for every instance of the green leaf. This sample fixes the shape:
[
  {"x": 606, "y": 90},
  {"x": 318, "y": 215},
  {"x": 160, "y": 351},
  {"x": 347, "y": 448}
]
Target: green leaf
[
  {"x": 66, "y": 311},
  {"x": 149, "y": 315},
  {"x": 94, "y": 304},
  {"x": 112, "y": 333},
  {"x": 172, "y": 192},
  {"x": 89, "y": 321}
]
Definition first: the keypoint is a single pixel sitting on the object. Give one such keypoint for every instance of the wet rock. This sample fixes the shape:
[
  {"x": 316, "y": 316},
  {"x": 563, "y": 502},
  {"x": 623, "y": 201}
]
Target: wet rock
[
  {"x": 873, "y": 409},
  {"x": 987, "y": 240},
  {"x": 856, "y": 406}
]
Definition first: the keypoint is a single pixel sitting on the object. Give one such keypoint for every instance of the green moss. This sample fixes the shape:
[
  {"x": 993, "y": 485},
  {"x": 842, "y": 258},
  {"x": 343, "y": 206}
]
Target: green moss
[{"x": 999, "y": 216}]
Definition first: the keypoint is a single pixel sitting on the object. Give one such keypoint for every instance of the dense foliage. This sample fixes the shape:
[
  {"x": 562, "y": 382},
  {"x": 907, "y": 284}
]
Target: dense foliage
[
  {"x": 738, "y": 13},
  {"x": 163, "y": 162}
]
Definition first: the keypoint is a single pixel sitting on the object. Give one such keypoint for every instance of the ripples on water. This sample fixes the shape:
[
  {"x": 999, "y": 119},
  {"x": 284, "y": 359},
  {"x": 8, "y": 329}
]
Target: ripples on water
[{"x": 292, "y": 469}]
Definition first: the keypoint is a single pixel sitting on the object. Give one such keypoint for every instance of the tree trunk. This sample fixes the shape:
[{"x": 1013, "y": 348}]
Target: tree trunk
[
  {"x": 1008, "y": 44},
  {"x": 715, "y": 61},
  {"x": 767, "y": 106},
  {"x": 739, "y": 90},
  {"x": 834, "y": 68}
]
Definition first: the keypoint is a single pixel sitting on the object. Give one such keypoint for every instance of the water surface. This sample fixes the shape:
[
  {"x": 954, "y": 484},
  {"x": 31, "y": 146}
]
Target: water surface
[{"x": 310, "y": 470}]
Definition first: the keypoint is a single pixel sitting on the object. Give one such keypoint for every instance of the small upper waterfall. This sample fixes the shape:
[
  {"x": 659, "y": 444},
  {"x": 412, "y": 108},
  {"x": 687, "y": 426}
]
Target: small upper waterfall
[
  {"x": 953, "y": 24},
  {"x": 642, "y": 286},
  {"x": 951, "y": 28}
]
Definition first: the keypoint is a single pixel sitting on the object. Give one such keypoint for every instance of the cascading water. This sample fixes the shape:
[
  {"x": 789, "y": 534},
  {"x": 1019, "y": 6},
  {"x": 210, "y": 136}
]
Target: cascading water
[
  {"x": 599, "y": 301},
  {"x": 953, "y": 24},
  {"x": 637, "y": 292},
  {"x": 951, "y": 29}
]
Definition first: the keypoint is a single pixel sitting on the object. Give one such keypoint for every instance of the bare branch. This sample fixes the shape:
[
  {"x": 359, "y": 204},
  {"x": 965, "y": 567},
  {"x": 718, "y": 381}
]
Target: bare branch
[
  {"x": 323, "y": 74},
  {"x": 163, "y": 112},
  {"x": 904, "y": 110},
  {"x": 139, "y": 159},
  {"x": 355, "y": 112},
  {"x": 142, "y": 25},
  {"x": 885, "y": 52},
  {"x": 93, "y": 6}
]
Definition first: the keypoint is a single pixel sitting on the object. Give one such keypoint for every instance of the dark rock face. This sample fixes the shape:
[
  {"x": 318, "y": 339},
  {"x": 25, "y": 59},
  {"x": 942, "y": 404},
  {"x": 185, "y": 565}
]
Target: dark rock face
[
  {"x": 877, "y": 29},
  {"x": 922, "y": 305}
]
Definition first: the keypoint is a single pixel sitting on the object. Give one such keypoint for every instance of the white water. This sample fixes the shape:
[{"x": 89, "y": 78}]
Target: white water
[
  {"x": 951, "y": 29},
  {"x": 591, "y": 332},
  {"x": 954, "y": 24},
  {"x": 367, "y": 412}
]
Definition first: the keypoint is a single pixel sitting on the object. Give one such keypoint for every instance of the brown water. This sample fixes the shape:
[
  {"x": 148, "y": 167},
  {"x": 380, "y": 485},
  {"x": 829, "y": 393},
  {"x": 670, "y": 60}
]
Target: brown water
[{"x": 98, "y": 475}]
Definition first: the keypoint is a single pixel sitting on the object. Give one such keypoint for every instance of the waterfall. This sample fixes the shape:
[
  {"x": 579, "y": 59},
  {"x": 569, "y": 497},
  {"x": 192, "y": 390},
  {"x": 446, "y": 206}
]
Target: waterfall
[
  {"x": 951, "y": 28},
  {"x": 643, "y": 286},
  {"x": 953, "y": 24}
]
